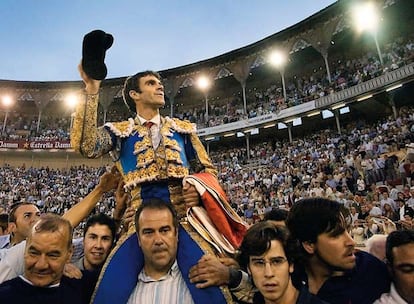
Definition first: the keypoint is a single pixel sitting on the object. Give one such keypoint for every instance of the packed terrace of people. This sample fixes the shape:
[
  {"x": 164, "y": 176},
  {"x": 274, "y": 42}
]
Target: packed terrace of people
[
  {"x": 346, "y": 72},
  {"x": 350, "y": 168}
]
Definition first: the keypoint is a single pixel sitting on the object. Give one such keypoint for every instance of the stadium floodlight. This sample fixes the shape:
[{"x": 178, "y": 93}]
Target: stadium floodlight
[
  {"x": 366, "y": 18},
  {"x": 279, "y": 59},
  {"x": 7, "y": 102},
  {"x": 204, "y": 83},
  {"x": 71, "y": 100}
]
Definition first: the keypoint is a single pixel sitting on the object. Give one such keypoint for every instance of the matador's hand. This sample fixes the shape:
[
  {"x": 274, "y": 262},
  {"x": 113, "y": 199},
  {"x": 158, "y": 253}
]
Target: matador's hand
[
  {"x": 91, "y": 85},
  {"x": 190, "y": 195}
]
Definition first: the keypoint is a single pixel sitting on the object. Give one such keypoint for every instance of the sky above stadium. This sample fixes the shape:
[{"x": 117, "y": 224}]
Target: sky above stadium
[{"x": 41, "y": 40}]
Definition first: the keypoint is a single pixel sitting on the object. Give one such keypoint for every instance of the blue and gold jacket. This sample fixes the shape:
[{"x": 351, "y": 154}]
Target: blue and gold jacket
[{"x": 146, "y": 171}]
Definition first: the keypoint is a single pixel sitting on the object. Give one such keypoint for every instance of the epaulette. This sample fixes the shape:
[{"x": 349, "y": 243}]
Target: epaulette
[
  {"x": 182, "y": 126},
  {"x": 122, "y": 128}
]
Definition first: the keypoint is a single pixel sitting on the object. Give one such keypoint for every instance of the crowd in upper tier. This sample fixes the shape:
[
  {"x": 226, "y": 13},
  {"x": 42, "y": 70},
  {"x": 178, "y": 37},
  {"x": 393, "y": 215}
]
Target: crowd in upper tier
[{"x": 345, "y": 72}]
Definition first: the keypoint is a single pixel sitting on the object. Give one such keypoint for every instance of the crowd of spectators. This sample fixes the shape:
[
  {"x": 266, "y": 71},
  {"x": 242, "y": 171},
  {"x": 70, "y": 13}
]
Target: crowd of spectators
[
  {"x": 346, "y": 72},
  {"x": 52, "y": 190},
  {"x": 352, "y": 168}
]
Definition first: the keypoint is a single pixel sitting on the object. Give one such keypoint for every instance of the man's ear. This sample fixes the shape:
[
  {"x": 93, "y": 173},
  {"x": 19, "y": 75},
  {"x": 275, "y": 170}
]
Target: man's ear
[
  {"x": 291, "y": 268},
  {"x": 390, "y": 269},
  {"x": 133, "y": 94},
  {"x": 248, "y": 270},
  {"x": 11, "y": 227},
  {"x": 139, "y": 242},
  {"x": 309, "y": 247},
  {"x": 70, "y": 253}
]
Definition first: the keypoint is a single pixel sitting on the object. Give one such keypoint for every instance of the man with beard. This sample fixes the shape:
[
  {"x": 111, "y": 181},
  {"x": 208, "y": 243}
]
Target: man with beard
[{"x": 328, "y": 264}]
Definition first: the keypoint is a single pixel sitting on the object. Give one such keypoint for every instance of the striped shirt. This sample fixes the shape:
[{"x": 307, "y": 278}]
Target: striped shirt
[{"x": 169, "y": 289}]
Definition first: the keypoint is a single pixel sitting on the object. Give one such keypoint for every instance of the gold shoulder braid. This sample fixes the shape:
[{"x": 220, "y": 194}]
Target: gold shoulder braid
[
  {"x": 181, "y": 126},
  {"x": 123, "y": 128}
]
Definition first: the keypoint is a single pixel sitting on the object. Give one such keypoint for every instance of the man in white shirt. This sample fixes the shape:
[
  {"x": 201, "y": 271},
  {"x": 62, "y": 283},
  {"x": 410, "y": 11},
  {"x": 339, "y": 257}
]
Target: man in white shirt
[
  {"x": 387, "y": 200},
  {"x": 373, "y": 210},
  {"x": 22, "y": 217},
  {"x": 160, "y": 281},
  {"x": 400, "y": 260}
]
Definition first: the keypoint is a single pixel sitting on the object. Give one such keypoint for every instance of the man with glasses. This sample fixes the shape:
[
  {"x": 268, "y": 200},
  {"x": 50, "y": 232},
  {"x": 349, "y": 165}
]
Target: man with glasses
[{"x": 266, "y": 256}]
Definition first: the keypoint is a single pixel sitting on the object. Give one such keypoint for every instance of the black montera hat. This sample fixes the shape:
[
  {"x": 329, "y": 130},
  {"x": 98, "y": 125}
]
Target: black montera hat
[{"x": 94, "y": 48}]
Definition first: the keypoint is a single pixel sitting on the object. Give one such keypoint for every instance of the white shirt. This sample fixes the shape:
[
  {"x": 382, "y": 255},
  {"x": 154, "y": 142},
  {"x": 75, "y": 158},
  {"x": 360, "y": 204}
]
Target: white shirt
[
  {"x": 170, "y": 289},
  {"x": 4, "y": 241},
  {"x": 12, "y": 262},
  {"x": 154, "y": 130},
  {"x": 375, "y": 211},
  {"x": 391, "y": 298}
]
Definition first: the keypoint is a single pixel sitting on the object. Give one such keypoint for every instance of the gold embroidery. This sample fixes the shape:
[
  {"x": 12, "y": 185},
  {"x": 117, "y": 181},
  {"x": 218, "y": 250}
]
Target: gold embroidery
[
  {"x": 173, "y": 156},
  {"x": 123, "y": 128},
  {"x": 182, "y": 126},
  {"x": 142, "y": 145},
  {"x": 176, "y": 171},
  {"x": 172, "y": 144},
  {"x": 203, "y": 160},
  {"x": 85, "y": 137},
  {"x": 145, "y": 158}
]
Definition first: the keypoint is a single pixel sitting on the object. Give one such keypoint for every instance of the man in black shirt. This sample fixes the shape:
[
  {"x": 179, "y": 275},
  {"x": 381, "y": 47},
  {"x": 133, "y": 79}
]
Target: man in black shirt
[{"x": 48, "y": 249}]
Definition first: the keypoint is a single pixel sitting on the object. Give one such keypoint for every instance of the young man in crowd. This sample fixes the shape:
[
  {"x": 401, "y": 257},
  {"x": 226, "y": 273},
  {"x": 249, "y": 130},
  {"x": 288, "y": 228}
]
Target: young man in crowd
[
  {"x": 98, "y": 239},
  {"x": 400, "y": 261},
  {"x": 22, "y": 216},
  {"x": 48, "y": 248},
  {"x": 266, "y": 255},
  {"x": 328, "y": 265}
]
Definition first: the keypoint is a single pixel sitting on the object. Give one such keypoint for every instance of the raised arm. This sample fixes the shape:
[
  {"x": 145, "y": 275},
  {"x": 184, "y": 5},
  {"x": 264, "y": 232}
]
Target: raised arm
[
  {"x": 85, "y": 137},
  {"x": 107, "y": 182}
]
